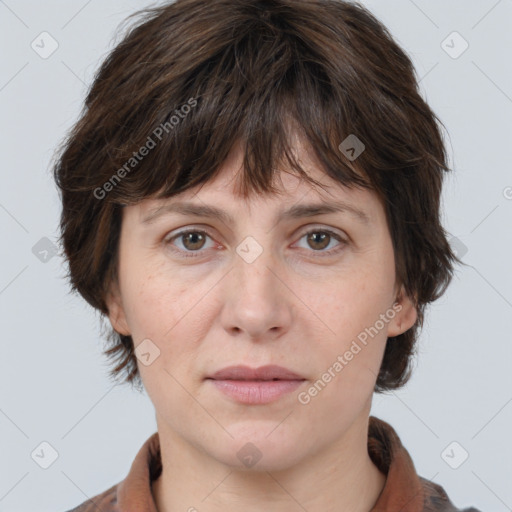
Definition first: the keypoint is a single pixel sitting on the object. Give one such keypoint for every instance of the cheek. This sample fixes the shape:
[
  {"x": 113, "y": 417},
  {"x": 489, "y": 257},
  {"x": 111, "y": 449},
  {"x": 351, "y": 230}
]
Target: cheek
[
  {"x": 350, "y": 361},
  {"x": 154, "y": 301},
  {"x": 349, "y": 314},
  {"x": 352, "y": 301},
  {"x": 172, "y": 315}
]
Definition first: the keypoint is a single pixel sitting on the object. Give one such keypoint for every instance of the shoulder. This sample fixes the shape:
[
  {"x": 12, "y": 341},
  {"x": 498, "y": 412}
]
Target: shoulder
[
  {"x": 436, "y": 499},
  {"x": 105, "y": 501}
]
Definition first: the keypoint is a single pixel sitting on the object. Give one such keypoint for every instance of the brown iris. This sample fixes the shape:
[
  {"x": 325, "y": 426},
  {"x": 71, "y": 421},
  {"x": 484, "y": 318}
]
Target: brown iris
[{"x": 317, "y": 237}]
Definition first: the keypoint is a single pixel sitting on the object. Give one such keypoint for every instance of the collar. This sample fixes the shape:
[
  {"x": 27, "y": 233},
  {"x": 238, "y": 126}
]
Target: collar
[{"x": 403, "y": 491}]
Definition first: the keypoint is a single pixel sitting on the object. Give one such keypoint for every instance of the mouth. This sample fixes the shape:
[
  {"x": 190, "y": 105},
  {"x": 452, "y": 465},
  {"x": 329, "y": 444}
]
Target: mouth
[
  {"x": 261, "y": 374},
  {"x": 255, "y": 386}
]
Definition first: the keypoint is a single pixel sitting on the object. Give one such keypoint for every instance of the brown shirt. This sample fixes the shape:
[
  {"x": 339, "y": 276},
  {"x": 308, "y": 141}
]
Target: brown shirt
[{"x": 404, "y": 490}]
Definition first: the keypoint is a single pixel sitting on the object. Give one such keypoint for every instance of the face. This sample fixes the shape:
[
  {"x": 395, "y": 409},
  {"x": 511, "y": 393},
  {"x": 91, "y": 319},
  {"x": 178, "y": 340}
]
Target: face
[{"x": 313, "y": 294}]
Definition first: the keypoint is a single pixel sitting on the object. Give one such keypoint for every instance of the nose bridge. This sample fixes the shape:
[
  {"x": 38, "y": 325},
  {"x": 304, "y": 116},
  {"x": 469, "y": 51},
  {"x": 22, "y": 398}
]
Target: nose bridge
[
  {"x": 253, "y": 266},
  {"x": 256, "y": 303}
]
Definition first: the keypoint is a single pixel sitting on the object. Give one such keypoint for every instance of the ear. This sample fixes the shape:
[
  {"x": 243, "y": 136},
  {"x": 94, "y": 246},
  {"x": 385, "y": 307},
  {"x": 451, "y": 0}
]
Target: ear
[
  {"x": 406, "y": 314},
  {"x": 116, "y": 312}
]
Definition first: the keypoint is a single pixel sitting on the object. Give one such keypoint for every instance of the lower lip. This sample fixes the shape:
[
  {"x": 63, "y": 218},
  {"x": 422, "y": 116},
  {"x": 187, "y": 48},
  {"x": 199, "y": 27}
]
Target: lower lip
[{"x": 256, "y": 392}]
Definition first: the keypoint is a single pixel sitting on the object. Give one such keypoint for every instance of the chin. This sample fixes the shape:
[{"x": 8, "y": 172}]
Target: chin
[{"x": 257, "y": 450}]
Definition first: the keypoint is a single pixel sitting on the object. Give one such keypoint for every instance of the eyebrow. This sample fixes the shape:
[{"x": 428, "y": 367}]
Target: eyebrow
[{"x": 294, "y": 212}]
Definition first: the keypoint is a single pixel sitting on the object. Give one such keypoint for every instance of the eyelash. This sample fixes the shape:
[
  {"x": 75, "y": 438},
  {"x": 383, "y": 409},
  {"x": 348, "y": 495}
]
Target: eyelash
[{"x": 195, "y": 254}]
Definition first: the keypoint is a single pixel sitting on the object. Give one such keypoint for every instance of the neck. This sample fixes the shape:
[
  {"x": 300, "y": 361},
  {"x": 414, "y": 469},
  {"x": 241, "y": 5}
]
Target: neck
[{"x": 341, "y": 477}]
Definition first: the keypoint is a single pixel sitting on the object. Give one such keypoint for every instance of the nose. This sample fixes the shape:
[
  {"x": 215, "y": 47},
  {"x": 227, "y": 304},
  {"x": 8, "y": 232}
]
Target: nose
[{"x": 257, "y": 302}]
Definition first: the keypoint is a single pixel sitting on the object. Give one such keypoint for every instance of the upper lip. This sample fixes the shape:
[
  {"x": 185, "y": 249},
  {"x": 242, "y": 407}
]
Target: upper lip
[{"x": 268, "y": 372}]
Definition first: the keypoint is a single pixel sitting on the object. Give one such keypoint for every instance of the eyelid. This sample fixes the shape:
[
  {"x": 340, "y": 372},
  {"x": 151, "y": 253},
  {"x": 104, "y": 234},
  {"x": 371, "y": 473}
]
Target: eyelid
[
  {"x": 182, "y": 232},
  {"x": 343, "y": 239}
]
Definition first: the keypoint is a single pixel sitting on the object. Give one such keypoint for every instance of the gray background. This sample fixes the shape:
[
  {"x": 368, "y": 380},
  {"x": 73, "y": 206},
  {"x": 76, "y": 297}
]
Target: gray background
[{"x": 53, "y": 378}]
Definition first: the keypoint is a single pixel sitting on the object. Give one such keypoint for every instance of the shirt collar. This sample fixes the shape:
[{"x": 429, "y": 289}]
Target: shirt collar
[{"x": 402, "y": 491}]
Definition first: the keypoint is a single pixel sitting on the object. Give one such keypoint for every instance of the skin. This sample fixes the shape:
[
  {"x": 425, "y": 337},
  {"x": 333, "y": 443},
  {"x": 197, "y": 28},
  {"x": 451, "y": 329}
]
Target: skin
[{"x": 292, "y": 307}]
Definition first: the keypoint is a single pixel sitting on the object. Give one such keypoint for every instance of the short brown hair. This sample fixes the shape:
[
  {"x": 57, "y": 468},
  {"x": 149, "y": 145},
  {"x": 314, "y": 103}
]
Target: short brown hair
[{"x": 246, "y": 70}]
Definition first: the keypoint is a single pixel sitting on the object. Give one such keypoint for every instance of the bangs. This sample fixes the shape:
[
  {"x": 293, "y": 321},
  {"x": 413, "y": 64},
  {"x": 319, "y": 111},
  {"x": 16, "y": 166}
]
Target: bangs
[{"x": 260, "y": 90}]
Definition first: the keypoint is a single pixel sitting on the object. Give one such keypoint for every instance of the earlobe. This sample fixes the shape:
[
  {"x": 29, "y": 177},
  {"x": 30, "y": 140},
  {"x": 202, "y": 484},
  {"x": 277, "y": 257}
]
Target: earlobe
[
  {"x": 116, "y": 313},
  {"x": 405, "y": 318}
]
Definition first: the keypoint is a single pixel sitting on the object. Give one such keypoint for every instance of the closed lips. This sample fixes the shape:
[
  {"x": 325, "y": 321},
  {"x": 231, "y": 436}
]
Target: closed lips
[{"x": 263, "y": 373}]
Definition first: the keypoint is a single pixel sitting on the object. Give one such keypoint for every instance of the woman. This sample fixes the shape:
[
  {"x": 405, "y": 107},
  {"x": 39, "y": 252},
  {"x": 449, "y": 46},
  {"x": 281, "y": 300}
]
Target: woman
[{"x": 252, "y": 199}]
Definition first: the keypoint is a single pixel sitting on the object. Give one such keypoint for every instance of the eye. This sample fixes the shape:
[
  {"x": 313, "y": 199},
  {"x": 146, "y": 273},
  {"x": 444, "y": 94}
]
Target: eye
[
  {"x": 319, "y": 239},
  {"x": 193, "y": 240}
]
